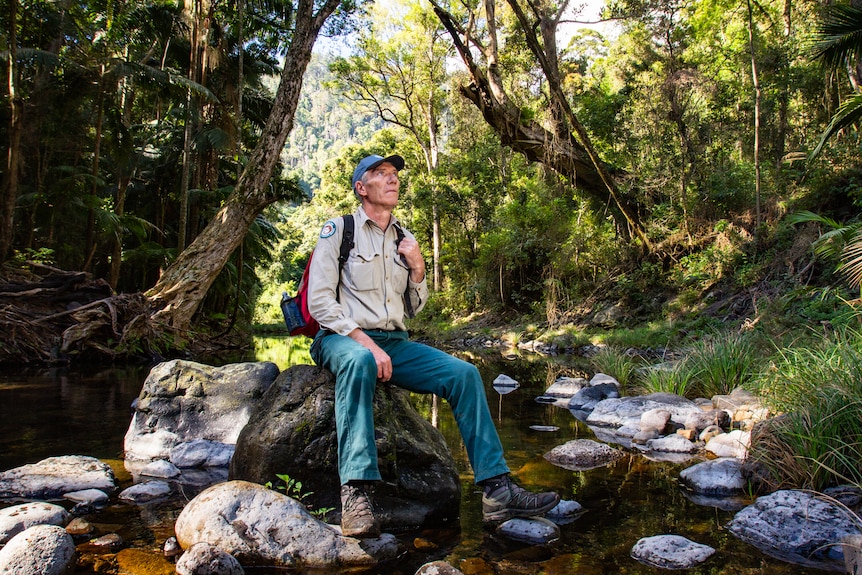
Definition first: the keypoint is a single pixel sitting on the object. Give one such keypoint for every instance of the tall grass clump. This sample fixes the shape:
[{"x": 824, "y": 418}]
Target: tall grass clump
[
  {"x": 615, "y": 362},
  {"x": 817, "y": 440},
  {"x": 720, "y": 364},
  {"x": 677, "y": 378}
]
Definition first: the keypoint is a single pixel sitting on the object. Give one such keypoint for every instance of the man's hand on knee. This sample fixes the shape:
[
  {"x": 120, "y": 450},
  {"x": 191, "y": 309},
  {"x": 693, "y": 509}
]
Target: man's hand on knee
[{"x": 381, "y": 358}]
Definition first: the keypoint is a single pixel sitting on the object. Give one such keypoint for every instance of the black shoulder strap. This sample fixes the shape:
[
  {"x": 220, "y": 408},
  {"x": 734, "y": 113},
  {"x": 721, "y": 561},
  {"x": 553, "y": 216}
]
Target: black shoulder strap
[
  {"x": 399, "y": 235},
  {"x": 408, "y": 303},
  {"x": 347, "y": 242}
]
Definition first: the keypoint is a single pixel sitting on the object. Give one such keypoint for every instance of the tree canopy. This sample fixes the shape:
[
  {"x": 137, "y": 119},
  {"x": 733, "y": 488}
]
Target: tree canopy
[{"x": 182, "y": 151}]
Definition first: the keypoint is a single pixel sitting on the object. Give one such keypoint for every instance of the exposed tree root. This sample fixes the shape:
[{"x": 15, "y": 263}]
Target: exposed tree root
[{"x": 54, "y": 316}]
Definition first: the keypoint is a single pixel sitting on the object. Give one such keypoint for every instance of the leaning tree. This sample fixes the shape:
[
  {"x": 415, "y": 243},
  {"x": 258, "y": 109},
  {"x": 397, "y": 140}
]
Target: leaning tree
[
  {"x": 183, "y": 285},
  {"x": 565, "y": 146},
  {"x": 161, "y": 319}
]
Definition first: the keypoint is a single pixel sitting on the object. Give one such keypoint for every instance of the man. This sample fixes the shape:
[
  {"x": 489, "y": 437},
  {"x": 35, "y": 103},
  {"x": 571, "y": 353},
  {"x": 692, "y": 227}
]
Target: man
[{"x": 361, "y": 309}]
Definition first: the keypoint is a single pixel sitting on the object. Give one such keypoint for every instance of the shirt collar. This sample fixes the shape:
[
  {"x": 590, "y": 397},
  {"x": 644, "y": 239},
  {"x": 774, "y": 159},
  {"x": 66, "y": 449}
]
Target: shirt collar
[{"x": 362, "y": 218}]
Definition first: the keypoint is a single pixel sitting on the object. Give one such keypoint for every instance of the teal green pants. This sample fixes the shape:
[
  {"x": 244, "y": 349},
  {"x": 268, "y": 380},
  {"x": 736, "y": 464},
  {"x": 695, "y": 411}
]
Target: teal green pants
[{"x": 417, "y": 368}]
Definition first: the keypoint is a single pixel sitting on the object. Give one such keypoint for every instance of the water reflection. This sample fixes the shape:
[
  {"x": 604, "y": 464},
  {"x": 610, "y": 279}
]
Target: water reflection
[
  {"x": 86, "y": 412},
  {"x": 283, "y": 351},
  {"x": 61, "y": 411}
]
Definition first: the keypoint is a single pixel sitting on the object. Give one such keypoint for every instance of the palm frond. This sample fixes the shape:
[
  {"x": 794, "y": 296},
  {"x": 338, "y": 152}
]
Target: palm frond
[
  {"x": 838, "y": 39},
  {"x": 35, "y": 55},
  {"x": 836, "y": 240},
  {"x": 138, "y": 227},
  {"x": 213, "y": 137},
  {"x": 806, "y": 216},
  {"x": 851, "y": 266},
  {"x": 848, "y": 114}
]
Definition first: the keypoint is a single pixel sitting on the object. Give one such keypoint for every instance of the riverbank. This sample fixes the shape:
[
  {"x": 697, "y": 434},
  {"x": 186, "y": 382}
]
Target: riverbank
[
  {"x": 798, "y": 315},
  {"x": 800, "y": 351}
]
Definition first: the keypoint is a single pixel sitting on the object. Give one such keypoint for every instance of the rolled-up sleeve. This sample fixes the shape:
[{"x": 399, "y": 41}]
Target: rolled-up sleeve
[
  {"x": 418, "y": 294},
  {"x": 323, "y": 281}
]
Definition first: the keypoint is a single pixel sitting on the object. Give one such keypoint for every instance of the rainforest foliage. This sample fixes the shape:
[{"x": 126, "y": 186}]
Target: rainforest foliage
[{"x": 554, "y": 170}]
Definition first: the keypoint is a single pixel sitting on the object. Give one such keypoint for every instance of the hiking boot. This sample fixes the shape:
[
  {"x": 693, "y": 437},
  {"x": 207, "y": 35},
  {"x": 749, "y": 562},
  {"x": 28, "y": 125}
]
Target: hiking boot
[
  {"x": 508, "y": 500},
  {"x": 357, "y": 517}
]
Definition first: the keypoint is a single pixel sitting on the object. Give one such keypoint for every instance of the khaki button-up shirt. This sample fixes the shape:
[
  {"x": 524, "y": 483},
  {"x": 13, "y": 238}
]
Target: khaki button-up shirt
[{"x": 374, "y": 280}]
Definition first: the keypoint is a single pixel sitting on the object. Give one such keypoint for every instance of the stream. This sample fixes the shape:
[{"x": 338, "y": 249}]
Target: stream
[{"x": 86, "y": 411}]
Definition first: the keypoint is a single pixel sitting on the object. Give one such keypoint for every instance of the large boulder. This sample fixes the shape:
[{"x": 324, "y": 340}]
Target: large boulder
[
  {"x": 184, "y": 401},
  {"x": 799, "y": 527},
  {"x": 41, "y": 549},
  {"x": 293, "y": 432},
  {"x": 261, "y": 526}
]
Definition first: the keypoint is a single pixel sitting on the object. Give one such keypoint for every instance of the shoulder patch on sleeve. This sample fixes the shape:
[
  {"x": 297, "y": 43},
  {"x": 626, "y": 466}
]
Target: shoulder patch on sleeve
[{"x": 328, "y": 229}]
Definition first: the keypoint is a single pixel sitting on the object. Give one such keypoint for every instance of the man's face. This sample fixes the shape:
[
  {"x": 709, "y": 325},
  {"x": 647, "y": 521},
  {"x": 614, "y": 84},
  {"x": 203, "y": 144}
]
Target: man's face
[{"x": 379, "y": 186}]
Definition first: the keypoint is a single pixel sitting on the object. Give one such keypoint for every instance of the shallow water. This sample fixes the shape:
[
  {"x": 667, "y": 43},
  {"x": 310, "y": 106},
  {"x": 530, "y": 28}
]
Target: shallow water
[{"x": 87, "y": 411}]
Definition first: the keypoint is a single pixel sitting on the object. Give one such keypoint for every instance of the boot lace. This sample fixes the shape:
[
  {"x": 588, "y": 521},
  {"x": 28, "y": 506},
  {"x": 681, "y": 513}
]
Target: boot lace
[{"x": 357, "y": 504}]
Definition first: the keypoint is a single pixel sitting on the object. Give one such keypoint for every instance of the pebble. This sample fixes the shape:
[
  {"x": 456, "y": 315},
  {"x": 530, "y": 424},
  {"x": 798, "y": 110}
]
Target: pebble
[
  {"x": 438, "y": 568},
  {"x": 422, "y": 544},
  {"x": 111, "y": 542},
  {"x": 160, "y": 468},
  {"x": 171, "y": 548},
  {"x": 79, "y": 527},
  {"x": 720, "y": 477},
  {"x": 206, "y": 559},
  {"x": 583, "y": 454},
  {"x": 505, "y": 381},
  {"x": 565, "y": 512},
  {"x": 733, "y": 444}
]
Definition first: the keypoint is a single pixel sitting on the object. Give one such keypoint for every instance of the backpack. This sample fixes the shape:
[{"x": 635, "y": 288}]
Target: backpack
[{"x": 295, "y": 309}]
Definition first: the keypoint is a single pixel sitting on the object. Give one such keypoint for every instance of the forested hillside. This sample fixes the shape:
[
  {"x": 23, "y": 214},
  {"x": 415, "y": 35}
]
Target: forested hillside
[
  {"x": 701, "y": 117},
  {"x": 553, "y": 174}
]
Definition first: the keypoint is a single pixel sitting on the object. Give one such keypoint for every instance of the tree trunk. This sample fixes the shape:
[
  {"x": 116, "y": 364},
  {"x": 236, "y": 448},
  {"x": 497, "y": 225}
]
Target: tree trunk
[
  {"x": 90, "y": 249},
  {"x": 124, "y": 178},
  {"x": 555, "y": 87},
  {"x": 757, "y": 97},
  {"x": 117, "y": 249},
  {"x": 190, "y": 120},
  {"x": 434, "y": 148},
  {"x": 183, "y": 285},
  {"x": 784, "y": 90},
  {"x": 240, "y": 82},
  {"x": 9, "y": 196}
]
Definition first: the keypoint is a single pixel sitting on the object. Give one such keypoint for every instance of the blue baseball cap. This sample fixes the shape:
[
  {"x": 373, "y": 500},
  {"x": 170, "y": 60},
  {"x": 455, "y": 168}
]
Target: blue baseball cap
[{"x": 373, "y": 161}]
